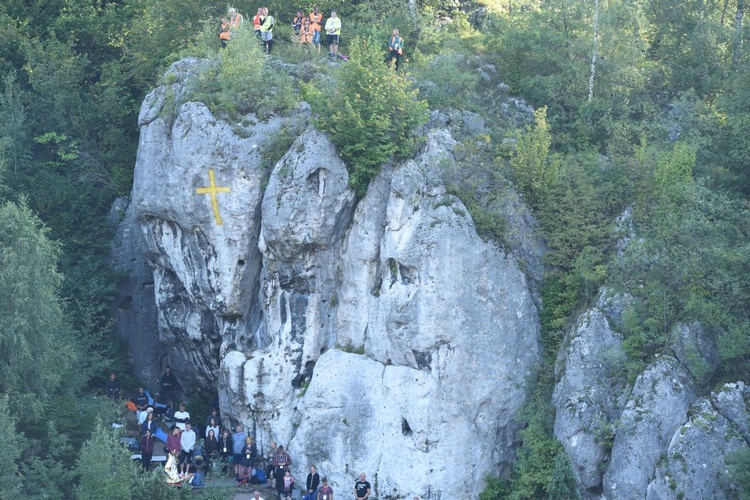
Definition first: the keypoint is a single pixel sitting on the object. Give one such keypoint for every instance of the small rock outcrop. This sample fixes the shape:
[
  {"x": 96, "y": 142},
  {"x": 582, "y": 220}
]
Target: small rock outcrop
[
  {"x": 589, "y": 396},
  {"x": 656, "y": 439}
]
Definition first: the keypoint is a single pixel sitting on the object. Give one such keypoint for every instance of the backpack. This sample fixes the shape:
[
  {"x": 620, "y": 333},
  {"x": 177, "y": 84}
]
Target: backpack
[{"x": 260, "y": 475}]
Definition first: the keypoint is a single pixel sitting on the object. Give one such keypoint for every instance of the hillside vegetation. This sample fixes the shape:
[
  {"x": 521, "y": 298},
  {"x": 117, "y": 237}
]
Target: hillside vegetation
[{"x": 642, "y": 108}]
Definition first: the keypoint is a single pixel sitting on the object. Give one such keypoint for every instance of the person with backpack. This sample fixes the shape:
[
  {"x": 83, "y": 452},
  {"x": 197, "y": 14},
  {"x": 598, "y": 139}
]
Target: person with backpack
[
  {"x": 266, "y": 30},
  {"x": 395, "y": 49}
]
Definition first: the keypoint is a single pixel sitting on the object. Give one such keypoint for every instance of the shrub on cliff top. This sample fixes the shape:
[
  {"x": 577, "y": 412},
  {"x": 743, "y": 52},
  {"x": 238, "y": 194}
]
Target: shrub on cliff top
[{"x": 369, "y": 111}]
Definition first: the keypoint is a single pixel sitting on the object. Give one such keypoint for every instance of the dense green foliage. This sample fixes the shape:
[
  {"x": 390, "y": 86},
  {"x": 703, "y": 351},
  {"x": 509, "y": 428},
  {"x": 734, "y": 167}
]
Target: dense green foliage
[
  {"x": 369, "y": 111},
  {"x": 656, "y": 123}
]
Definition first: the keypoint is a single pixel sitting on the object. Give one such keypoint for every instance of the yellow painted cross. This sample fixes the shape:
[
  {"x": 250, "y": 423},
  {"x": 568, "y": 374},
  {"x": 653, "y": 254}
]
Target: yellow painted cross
[{"x": 212, "y": 190}]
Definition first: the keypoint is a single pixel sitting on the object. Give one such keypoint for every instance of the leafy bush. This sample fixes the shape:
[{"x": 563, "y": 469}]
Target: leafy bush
[
  {"x": 242, "y": 81},
  {"x": 447, "y": 81},
  {"x": 369, "y": 111}
]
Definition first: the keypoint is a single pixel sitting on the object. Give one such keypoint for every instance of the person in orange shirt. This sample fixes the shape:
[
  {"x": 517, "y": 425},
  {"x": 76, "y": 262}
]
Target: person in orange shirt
[
  {"x": 316, "y": 22},
  {"x": 225, "y": 34},
  {"x": 258, "y": 21},
  {"x": 306, "y": 33}
]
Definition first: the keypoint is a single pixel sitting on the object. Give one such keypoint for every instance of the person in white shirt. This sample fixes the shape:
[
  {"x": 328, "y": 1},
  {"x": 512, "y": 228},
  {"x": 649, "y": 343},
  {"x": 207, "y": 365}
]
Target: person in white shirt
[
  {"x": 181, "y": 417},
  {"x": 256, "y": 495},
  {"x": 187, "y": 445},
  {"x": 213, "y": 426}
]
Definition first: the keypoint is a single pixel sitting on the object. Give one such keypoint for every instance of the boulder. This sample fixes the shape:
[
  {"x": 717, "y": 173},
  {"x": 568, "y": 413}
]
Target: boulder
[
  {"x": 589, "y": 396},
  {"x": 657, "y": 407}
]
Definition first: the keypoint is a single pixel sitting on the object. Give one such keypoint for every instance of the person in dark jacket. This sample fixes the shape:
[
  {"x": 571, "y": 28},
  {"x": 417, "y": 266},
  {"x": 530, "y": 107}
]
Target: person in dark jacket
[
  {"x": 147, "y": 449},
  {"x": 149, "y": 424},
  {"x": 311, "y": 486},
  {"x": 113, "y": 387},
  {"x": 225, "y": 450},
  {"x": 169, "y": 384},
  {"x": 210, "y": 449}
]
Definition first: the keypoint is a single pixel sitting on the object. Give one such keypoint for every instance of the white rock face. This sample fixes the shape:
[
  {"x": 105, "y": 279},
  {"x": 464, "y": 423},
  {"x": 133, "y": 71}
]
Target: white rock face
[
  {"x": 378, "y": 335},
  {"x": 694, "y": 466},
  {"x": 427, "y": 331},
  {"x": 657, "y": 408},
  {"x": 205, "y": 255},
  {"x": 588, "y": 397}
]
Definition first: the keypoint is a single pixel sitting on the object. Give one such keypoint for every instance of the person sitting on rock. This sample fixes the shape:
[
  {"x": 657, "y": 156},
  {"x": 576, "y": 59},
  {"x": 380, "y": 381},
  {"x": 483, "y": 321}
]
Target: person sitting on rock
[
  {"x": 306, "y": 33},
  {"x": 181, "y": 417},
  {"x": 287, "y": 485},
  {"x": 141, "y": 403}
]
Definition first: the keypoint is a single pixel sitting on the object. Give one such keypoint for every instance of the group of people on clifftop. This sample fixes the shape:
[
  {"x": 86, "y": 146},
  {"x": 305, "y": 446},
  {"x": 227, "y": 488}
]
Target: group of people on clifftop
[{"x": 306, "y": 32}]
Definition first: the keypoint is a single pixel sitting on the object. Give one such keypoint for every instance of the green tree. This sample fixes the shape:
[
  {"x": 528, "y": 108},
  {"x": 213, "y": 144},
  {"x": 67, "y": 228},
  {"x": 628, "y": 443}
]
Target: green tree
[
  {"x": 11, "y": 446},
  {"x": 535, "y": 175},
  {"x": 562, "y": 484},
  {"x": 36, "y": 348},
  {"x": 369, "y": 111},
  {"x": 104, "y": 467}
]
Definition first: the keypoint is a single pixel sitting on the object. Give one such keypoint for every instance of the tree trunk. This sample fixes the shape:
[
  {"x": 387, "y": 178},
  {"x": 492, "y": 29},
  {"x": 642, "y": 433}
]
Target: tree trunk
[
  {"x": 738, "y": 26},
  {"x": 413, "y": 11},
  {"x": 724, "y": 11},
  {"x": 595, "y": 50}
]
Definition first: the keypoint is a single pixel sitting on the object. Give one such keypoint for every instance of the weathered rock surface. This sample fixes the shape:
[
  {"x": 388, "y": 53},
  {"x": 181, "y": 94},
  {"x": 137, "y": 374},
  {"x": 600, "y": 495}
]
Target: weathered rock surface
[
  {"x": 657, "y": 407},
  {"x": 589, "y": 396},
  {"x": 379, "y": 334},
  {"x": 201, "y": 243},
  {"x": 135, "y": 309},
  {"x": 694, "y": 466},
  {"x": 662, "y": 443}
]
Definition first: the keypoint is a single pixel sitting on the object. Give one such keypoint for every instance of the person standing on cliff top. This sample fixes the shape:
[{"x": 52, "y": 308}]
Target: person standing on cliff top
[
  {"x": 316, "y": 20},
  {"x": 333, "y": 34}
]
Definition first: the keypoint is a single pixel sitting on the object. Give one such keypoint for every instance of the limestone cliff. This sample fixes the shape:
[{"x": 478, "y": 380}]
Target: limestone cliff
[
  {"x": 378, "y": 334},
  {"x": 382, "y": 334}
]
